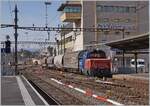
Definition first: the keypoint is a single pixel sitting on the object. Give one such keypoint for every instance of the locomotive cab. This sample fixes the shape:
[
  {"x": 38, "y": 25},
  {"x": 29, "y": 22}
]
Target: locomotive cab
[{"x": 95, "y": 63}]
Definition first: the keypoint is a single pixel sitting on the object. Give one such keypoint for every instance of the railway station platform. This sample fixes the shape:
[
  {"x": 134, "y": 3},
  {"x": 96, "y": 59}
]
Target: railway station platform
[{"x": 16, "y": 90}]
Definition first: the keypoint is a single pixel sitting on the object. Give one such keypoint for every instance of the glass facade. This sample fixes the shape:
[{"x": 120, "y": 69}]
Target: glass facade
[
  {"x": 115, "y": 9},
  {"x": 72, "y": 9}
]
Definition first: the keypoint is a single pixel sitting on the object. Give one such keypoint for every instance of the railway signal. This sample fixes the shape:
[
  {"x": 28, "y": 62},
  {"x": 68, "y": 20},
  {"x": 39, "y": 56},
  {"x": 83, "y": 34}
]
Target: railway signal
[{"x": 7, "y": 46}]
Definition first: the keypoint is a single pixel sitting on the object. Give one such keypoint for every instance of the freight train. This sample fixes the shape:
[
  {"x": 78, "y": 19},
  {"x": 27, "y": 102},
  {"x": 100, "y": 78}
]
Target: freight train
[{"x": 87, "y": 62}]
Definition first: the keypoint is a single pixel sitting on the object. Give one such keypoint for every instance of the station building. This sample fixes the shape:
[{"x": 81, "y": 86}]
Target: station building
[{"x": 132, "y": 16}]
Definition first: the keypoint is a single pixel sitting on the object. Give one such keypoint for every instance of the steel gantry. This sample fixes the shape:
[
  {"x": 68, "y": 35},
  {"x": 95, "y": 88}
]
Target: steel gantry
[
  {"x": 31, "y": 42},
  {"x": 59, "y": 29}
]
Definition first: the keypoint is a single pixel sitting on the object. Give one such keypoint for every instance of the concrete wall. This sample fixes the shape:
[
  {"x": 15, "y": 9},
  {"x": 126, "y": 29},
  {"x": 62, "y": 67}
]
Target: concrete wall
[
  {"x": 88, "y": 20},
  {"x": 143, "y": 26},
  {"x": 143, "y": 16}
]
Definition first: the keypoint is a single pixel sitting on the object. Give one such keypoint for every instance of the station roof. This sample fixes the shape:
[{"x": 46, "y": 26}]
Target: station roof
[
  {"x": 131, "y": 43},
  {"x": 67, "y": 4}
]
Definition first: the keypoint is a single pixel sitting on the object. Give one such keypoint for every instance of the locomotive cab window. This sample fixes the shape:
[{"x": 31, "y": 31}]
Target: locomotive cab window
[{"x": 97, "y": 54}]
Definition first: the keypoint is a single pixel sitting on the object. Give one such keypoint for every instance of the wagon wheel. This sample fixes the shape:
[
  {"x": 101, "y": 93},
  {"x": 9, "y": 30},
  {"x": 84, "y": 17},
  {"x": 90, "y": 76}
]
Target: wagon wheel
[{"x": 91, "y": 73}]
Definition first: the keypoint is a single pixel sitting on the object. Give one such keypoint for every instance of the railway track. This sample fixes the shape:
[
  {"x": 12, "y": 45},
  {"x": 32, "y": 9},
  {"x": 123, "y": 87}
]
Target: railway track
[
  {"x": 60, "y": 96},
  {"x": 120, "y": 91},
  {"x": 117, "y": 90},
  {"x": 50, "y": 100}
]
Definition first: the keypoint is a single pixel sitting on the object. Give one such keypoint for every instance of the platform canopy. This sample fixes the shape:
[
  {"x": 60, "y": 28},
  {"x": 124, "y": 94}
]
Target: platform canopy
[{"x": 132, "y": 43}]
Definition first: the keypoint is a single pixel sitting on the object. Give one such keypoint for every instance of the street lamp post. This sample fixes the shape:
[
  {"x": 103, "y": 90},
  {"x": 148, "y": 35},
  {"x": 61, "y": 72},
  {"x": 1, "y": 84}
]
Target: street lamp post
[
  {"x": 46, "y": 15},
  {"x": 46, "y": 18}
]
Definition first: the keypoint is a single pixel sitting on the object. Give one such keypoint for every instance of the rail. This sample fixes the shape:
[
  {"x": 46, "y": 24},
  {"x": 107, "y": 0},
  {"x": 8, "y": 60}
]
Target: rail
[{"x": 47, "y": 97}]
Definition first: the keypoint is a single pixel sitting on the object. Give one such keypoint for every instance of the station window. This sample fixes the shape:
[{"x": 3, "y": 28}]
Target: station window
[
  {"x": 121, "y": 9},
  {"x": 106, "y": 8},
  {"x": 110, "y": 8},
  {"x": 72, "y": 9},
  {"x": 66, "y": 10},
  {"x": 115, "y": 9},
  {"x": 78, "y": 9},
  {"x": 127, "y": 9},
  {"x": 99, "y": 8}
]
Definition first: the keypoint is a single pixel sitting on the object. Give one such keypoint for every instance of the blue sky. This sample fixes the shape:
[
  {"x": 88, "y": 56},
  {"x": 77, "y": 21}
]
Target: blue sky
[{"x": 30, "y": 12}]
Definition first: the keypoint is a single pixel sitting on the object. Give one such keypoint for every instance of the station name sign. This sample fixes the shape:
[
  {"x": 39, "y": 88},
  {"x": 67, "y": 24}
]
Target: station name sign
[{"x": 115, "y": 26}]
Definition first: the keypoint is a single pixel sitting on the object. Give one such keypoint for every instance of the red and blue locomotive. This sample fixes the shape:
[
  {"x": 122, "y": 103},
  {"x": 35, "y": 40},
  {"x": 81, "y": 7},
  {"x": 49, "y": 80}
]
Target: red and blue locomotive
[{"x": 95, "y": 63}]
